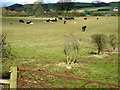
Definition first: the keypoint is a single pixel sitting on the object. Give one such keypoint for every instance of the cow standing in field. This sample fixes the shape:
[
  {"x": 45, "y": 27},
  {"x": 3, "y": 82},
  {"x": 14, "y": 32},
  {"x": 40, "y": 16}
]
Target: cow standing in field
[
  {"x": 65, "y": 22},
  {"x": 48, "y": 20},
  {"x": 54, "y": 20},
  {"x": 69, "y": 18},
  {"x": 60, "y": 18},
  {"x": 83, "y": 28},
  {"x": 21, "y": 21},
  {"x": 85, "y": 18},
  {"x": 29, "y": 22}
]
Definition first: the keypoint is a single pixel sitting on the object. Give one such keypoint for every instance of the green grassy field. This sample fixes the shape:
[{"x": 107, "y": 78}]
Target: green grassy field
[
  {"x": 43, "y": 43},
  {"x": 93, "y": 9}
]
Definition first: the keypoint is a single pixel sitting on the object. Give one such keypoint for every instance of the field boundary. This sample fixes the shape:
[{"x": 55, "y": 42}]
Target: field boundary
[{"x": 39, "y": 82}]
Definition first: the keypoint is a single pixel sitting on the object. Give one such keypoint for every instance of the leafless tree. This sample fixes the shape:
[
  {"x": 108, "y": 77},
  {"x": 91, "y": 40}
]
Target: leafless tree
[{"x": 71, "y": 48}]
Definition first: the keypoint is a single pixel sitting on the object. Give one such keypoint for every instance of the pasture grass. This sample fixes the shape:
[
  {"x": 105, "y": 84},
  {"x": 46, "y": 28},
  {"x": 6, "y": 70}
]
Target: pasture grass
[
  {"x": 92, "y": 9},
  {"x": 40, "y": 47}
]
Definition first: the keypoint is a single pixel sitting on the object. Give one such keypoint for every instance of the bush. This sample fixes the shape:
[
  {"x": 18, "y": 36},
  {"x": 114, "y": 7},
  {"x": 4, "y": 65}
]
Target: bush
[
  {"x": 100, "y": 40},
  {"x": 71, "y": 49},
  {"x": 113, "y": 41},
  {"x": 6, "y": 48},
  {"x": 8, "y": 55}
]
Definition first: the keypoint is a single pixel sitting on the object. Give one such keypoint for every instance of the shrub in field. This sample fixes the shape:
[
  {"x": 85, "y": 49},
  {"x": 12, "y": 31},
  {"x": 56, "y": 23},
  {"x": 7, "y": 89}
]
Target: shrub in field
[
  {"x": 113, "y": 41},
  {"x": 6, "y": 48},
  {"x": 71, "y": 49},
  {"x": 100, "y": 40},
  {"x": 7, "y": 55}
]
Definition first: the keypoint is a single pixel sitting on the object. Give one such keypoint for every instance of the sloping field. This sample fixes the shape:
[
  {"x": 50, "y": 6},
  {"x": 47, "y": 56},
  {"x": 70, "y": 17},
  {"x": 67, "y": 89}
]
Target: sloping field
[
  {"x": 92, "y": 9},
  {"x": 39, "y": 46}
]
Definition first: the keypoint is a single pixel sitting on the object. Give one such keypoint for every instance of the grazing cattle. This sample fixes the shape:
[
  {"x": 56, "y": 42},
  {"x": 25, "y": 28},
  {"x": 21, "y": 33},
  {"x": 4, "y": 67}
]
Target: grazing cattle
[
  {"x": 65, "y": 22},
  {"x": 48, "y": 20},
  {"x": 21, "y": 21},
  {"x": 54, "y": 20},
  {"x": 30, "y": 22},
  {"x": 83, "y": 28},
  {"x": 69, "y": 18},
  {"x": 85, "y": 18},
  {"x": 66, "y": 18},
  {"x": 97, "y": 18},
  {"x": 60, "y": 18}
]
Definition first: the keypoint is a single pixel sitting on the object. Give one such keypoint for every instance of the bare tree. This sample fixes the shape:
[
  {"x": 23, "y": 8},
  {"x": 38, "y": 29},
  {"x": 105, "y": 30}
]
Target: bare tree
[{"x": 71, "y": 49}]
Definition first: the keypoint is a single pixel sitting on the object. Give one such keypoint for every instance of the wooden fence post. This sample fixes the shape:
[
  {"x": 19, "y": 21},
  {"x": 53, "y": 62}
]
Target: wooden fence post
[{"x": 13, "y": 78}]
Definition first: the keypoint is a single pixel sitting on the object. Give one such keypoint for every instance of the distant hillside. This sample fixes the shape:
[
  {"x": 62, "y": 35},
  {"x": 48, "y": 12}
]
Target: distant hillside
[
  {"x": 60, "y": 9},
  {"x": 15, "y": 7},
  {"x": 56, "y": 6},
  {"x": 91, "y": 9},
  {"x": 114, "y": 4}
]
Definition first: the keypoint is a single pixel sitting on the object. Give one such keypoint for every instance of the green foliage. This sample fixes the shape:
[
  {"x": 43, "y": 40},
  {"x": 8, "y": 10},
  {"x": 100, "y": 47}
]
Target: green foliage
[
  {"x": 7, "y": 55},
  {"x": 113, "y": 41},
  {"x": 6, "y": 48},
  {"x": 71, "y": 49},
  {"x": 100, "y": 40},
  {"x": 114, "y": 4},
  {"x": 65, "y": 6},
  {"x": 38, "y": 9}
]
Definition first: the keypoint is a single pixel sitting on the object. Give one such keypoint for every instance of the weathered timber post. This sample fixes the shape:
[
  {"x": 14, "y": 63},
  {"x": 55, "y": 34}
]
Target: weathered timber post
[{"x": 13, "y": 78}]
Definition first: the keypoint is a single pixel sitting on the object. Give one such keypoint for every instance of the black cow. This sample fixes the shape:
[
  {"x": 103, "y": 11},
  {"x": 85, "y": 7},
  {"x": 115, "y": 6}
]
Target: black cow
[
  {"x": 60, "y": 18},
  {"x": 54, "y": 20},
  {"x": 83, "y": 28},
  {"x": 69, "y": 18},
  {"x": 48, "y": 20},
  {"x": 65, "y": 22},
  {"x": 29, "y": 22},
  {"x": 85, "y": 18},
  {"x": 21, "y": 21},
  {"x": 66, "y": 18}
]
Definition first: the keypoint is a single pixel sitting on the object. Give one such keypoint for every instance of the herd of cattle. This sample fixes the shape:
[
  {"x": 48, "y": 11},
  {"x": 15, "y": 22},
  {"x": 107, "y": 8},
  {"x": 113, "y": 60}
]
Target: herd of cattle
[{"x": 56, "y": 19}]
